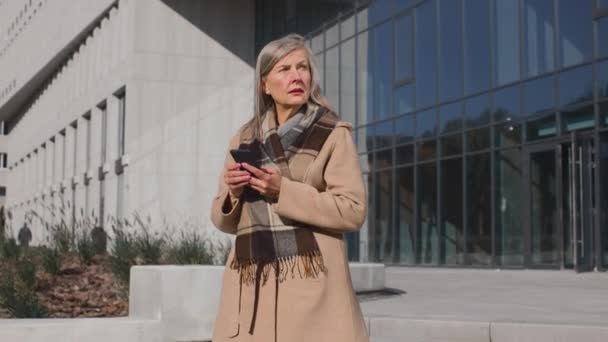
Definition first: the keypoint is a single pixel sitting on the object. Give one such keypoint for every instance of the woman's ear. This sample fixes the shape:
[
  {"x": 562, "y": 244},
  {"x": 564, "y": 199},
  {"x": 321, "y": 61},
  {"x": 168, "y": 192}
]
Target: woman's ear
[{"x": 264, "y": 88}]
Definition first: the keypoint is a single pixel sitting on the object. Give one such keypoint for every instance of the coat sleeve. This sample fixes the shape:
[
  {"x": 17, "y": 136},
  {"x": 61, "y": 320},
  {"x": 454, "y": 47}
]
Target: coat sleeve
[
  {"x": 226, "y": 212},
  {"x": 342, "y": 206}
]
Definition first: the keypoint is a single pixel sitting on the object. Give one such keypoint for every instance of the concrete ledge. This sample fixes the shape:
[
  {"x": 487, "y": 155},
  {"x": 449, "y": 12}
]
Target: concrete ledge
[
  {"x": 81, "y": 329},
  {"x": 504, "y": 332},
  {"x": 184, "y": 298},
  {"x": 367, "y": 276},
  {"x": 383, "y": 329},
  {"x": 406, "y": 330}
]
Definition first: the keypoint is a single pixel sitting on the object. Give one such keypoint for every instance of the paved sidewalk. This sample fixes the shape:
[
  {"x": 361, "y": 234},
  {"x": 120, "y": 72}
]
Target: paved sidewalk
[{"x": 478, "y": 298}]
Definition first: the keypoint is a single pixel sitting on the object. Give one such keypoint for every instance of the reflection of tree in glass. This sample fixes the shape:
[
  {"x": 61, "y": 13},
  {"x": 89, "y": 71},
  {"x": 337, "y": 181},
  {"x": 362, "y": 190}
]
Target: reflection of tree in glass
[{"x": 479, "y": 207}]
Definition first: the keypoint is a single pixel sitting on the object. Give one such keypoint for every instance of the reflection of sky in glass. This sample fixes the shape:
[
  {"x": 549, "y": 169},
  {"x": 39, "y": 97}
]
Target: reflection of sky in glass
[
  {"x": 403, "y": 64},
  {"x": 539, "y": 26},
  {"x": 404, "y": 99},
  {"x": 602, "y": 79},
  {"x": 477, "y": 110},
  {"x": 426, "y": 123},
  {"x": 379, "y": 10},
  {"x": 576, "y": 31},
  {"x": 602, "y": 33},
  {"x": 539, "y": 95},
  {"x": 477, "y": 45},
  {"x": 450, "y": 50},
  {"x": 506, "y": 41},
  {"x": 507, "y": 103},
  {"x": 450, "y": 117},
  {"x": 576, "y": 85},
  {"x": 426, "y": 49},
  {"x": 383, "y": 70}
]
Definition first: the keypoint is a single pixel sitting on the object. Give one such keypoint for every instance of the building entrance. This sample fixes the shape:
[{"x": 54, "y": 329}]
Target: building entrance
[{"x": 564, "y": 223}]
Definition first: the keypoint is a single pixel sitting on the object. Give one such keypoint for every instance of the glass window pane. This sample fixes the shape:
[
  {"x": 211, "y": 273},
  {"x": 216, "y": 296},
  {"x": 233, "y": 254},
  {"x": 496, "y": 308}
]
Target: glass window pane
[
  {"x": 427, "y": 150},
  {"x": 451, "y": 145},
  {"x": 509, "y": 199},
  {"x": 508, "y": 134},
  {"x": 404, "y": 99},
  {"x": 317, "y": 42},
  {"x": 320, "y": 62},
  {"x": 404, "y": 129},
  {"x": 404, "y": 154},
  {"x": 451, "y": 225},
  {"x": 426, "y": 54},
  {"x": 332, "y": 35},
  {"x": 575, "y": 31},
  {"x": 604, "y": 113},
  {"x": 380, "y": 10},
  {"x": 405, "y": 215},
  {"x": 539, "y": 26},
  {"x": 478, "y": 110},
  {"x": 383, "y": 71},
  {"x": 332, "y": 77},
  {"x": 347, "y": 81},
  {"x": 384, "y": 158},
  {"x": 479, "y": 213},
  {"x": 366, "y": 161},
  {"x": 426, "y": 124},
  {"x": 603, "y": 186},
  {"x": 541, "y": 128},
  {"x": 384, "y": 134},
  {"x": 450, "y": 117},
  {"x": 450, "y": 49},
  {"x": 602, "y": 37},
  {"x": 348, "y": 27},
  {"x": 364, "y": 92},
  {"x": 382, "y": 235},
  {"x": 576, "y": 86},
  {"x": 539, "y": 95},
  {"x": 506, "y": 41},
  {"x": 478, "y": 139},
  {"x": 365, "y": 139},
  {"x": 602, "y": 79},
  {"x": 428, "y": 235},
  {"x": 403, "y": 49},
  {"x": 477, "y": 45},
  {"x": 362, "y": 19},
  {"x": 578, "y": 118},
  {"x": 403, "y": 4},
  {"x": 507, "y": 102}
]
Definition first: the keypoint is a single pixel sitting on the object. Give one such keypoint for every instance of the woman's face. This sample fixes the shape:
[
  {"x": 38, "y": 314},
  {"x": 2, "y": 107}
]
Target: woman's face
[{"x": 288, "y": 83}]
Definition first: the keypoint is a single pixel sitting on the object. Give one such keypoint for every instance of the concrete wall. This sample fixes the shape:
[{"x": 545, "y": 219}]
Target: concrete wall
[{"x": 186, "y": 79}]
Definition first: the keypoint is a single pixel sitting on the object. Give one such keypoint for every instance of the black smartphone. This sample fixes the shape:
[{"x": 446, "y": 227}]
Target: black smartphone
[{"x": 244, "y": 156}]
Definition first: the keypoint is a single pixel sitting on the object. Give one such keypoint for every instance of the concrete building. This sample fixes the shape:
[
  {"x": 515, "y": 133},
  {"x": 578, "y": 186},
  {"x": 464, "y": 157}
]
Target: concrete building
[{"x": 482, "y": 126}]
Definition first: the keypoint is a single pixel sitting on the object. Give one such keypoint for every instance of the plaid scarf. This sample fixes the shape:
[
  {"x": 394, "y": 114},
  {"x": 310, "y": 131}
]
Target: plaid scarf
[{"x": 265, "y": 241}]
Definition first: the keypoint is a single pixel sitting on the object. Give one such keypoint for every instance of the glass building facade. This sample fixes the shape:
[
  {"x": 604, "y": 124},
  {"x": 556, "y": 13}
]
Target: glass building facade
[{"x": 482, "y": 125}]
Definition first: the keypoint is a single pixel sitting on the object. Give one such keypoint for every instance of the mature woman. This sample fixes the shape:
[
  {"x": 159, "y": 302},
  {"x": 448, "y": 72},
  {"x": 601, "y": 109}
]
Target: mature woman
[{"x": 287, "y": 277}]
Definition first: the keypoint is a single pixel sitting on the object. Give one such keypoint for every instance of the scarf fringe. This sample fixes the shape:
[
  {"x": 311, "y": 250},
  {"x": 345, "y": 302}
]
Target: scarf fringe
[{"x": 307, "y": 265}]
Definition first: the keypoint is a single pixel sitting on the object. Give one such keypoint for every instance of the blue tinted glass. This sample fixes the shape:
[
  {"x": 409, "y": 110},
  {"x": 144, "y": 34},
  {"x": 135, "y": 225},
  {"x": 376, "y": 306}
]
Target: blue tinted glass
[
  {"x": 403, "y": 64},
  {"x": 403, "y": 4},
  {"x": 478, "y": 110},
  {"x": 365, "y": 139},
  {"x": 477, "y": 45},
  {"x": 578, "y": 118},
  {"x": 384, "y": 134},
  {"x": 603, "y": 3},
  {"x": 450, "y": 117},
  {"x": 539, "y": 95},
  {"x": 576, "y": 86},
  {"x": 383, "y": 71},
  {"x": 575, "y": 31},
  {"x": 380, "y": 10},
  {"x": 541, "y": 128},
  {"x": 404, "y": 129},
  {"x": 506, "y": 41},
  {"x": 426, "y": 124},
  {"x": 426, "y": 52},
  {"x": 602, "y": 37},
  {"x": 507, "y": 103},
  {"x": 450, "y": 49},
  {"x": 539, "y": 25},
  {"x": 602, "y": 79},
  {"x": 404, "y": 99}
]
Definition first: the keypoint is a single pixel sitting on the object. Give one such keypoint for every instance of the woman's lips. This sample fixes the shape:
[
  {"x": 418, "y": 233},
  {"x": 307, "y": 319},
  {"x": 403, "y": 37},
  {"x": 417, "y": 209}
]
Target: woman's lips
[{"x": 296, "y": 92}]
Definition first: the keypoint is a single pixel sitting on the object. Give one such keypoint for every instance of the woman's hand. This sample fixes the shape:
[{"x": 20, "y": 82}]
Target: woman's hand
[
  {"x": 267, "y": 181},
  {"x": 236, "y": 179}
]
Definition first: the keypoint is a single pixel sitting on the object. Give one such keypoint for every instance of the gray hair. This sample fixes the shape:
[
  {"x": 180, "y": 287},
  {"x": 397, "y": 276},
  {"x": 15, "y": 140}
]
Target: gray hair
[{"x": 268, "y": 57}]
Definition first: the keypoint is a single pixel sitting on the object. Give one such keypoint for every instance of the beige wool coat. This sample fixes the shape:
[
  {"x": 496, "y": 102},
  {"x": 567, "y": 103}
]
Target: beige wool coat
[{"x": 332, "y": 199}]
